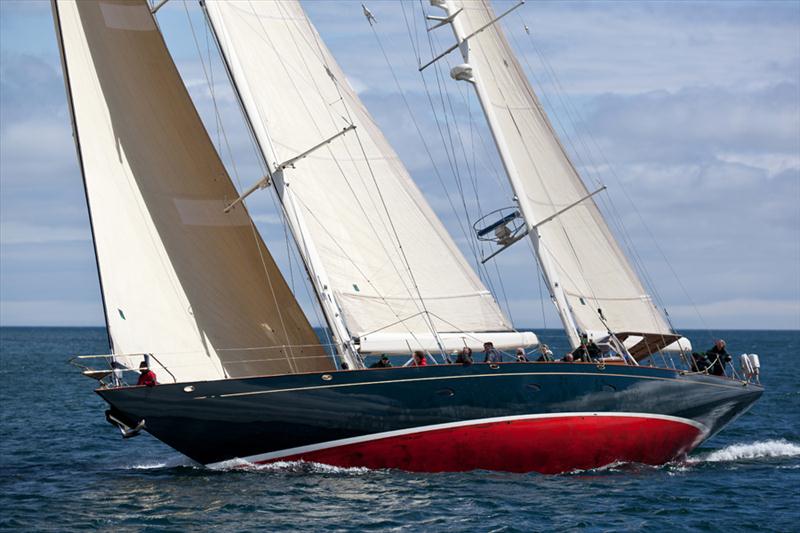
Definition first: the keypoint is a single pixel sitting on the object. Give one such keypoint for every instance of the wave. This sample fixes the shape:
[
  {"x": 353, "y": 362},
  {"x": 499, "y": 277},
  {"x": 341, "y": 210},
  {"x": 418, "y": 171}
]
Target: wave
[
  {"x": 175, "y": 462},
  {"x": 753, "y": 450},
  {"x": 735, "y": 452},
  {"x": 292, "y": 467}
]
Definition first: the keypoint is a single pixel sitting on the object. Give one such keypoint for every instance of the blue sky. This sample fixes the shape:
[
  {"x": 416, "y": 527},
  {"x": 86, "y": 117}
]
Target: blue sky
[{"x": 688, "y": 111}]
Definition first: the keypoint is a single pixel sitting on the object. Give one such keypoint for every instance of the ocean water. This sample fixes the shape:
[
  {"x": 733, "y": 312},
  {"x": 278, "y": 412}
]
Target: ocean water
[{"x": 63, "y": 468}]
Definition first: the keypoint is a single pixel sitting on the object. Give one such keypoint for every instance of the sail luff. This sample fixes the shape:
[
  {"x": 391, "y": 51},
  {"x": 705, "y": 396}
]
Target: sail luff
[
  {"x": 76, "y": 138},
  {"x": 182, "y": 280}
]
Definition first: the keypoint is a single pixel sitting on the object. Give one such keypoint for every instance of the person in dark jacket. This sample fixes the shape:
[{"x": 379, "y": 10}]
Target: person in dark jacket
[
  {"x": 490, "y": 355},
  {"x": 521, "y": 357},
  {"x": 147, "y": 377},
  {"x": 718, "y": 358},
  {"x": 593, "y": 350},
  {"x": 464, "y": 356},
  {"x": 699, "y": 362},
  {"x": 547, "y": 353},
  {"x": 581, "y": 353},
  {"x": 383, "y": 362}
]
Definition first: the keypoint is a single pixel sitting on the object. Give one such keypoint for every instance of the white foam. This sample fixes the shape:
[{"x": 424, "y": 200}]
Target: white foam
[
  {"x": 753, "y": 450},
  {"x": 610, "y": 467},
  {"x": 288, "y": 466},
  {"x": 169, "y": 463}
]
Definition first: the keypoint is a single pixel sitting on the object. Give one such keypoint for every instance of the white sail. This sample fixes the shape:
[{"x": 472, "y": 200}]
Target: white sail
[
  {"x": 181, "y": 280},
  {"x": 583, "y": 262},
  {"x": 363, "y": 226}
]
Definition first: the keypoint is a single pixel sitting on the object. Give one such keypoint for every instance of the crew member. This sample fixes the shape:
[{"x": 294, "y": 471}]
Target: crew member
[
  {"x": 547, "y": 353},
  {"x": 521, "y": 357},
  {"x": 419, "y": 359},
  {"x": 383, "y": 362},
  {"x": 718, "y": 357},
  {"x": 490, "y": 355},
  {"x": 147, "y": 377},
  {"x": 581, "y": 353},
  {"x": 464, "y": 356}
]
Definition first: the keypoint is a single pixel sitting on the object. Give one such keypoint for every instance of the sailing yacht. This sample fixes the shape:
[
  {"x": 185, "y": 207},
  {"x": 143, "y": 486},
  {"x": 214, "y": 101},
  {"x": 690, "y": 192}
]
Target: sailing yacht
[{"x": 191, "y": 290}]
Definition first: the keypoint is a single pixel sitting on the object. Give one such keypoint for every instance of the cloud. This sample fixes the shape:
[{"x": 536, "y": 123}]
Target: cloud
[
  {"x": 735, "y": 313},
  {"x": 51, "y": 313},
  {"x": 16, "y": 233},
  {"x": 697, "y": 123}
]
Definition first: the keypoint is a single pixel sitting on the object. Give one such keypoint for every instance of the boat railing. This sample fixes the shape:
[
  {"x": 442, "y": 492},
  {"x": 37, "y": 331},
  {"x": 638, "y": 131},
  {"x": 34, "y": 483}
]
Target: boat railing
[
  {"x": 111, "y": 370},
  {"x": 115, "y": 372}
]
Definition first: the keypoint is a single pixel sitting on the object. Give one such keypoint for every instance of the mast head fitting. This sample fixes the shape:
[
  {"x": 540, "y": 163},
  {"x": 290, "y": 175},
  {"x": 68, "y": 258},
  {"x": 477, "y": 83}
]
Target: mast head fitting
[{"x": 462, "y": 72}]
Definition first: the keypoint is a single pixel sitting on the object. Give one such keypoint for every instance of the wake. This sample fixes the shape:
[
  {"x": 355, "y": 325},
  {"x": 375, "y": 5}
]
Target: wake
[
  {"x": 753, "y": 450},
  {"x": 291, "y": 467},
  {"x": 767, "y": 449}
]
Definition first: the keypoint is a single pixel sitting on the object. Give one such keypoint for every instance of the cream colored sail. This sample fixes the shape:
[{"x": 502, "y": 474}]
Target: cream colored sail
[
  {"x": 581, "y": 257},
  {"x": 368, "y": 235},
  {"x": 181, "y": 280}
]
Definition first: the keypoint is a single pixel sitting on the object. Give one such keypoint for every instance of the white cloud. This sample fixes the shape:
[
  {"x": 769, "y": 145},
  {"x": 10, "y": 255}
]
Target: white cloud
[{"x": 22, "y": 233}]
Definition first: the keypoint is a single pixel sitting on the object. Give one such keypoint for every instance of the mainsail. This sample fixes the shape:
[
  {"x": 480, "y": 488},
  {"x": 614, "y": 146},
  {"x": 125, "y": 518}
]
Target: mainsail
[
  {"x": 382, "y": 262},
  {"x": 591, "y": 280},
  {"x": 181, "y": 280}
]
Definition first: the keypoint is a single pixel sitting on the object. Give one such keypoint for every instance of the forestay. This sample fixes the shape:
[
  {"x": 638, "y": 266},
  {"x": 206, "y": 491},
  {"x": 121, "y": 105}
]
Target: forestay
[
  {"x": 584, "y": 256},
  {"x": 390, "y": 264},
  {"x": 181, "y": 280}
]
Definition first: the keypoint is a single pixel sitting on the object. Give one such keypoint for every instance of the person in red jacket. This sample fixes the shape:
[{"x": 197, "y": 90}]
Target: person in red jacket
[
  {"x": 419, "y": 359},
  {"x": 147, "y": 377}
]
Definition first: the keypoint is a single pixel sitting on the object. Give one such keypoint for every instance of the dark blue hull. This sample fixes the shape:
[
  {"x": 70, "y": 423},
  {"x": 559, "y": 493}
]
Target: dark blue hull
[{"x": 370, "y": 417}]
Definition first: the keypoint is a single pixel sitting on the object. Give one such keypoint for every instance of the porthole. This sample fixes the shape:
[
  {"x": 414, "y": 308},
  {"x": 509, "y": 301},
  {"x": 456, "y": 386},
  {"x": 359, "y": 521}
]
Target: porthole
[
  {"x": 188, "y": 388},
  {"x": 326, "y": 377},
  {"x": 446, "y": 393}
]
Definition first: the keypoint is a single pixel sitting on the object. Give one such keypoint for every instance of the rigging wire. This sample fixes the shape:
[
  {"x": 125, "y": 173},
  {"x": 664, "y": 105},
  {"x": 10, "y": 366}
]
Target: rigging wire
[
  {"x": 413, "y": 117},
  {"x": 290, "y": 355},
  {"x": 591, "y": 169},
  {"x": 419, "y": 300},
  {"x": 316, "y": 304},
  {"x": 549, "y": 198},
  {"x": 467, "y": 236},
  {"x": 571, "y": 108},
  {"x": 451, "y": 157}
]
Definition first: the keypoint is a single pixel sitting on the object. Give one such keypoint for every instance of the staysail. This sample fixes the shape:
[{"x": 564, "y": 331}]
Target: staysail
[
  {"x": 181, "y": 280},
  {"x": 382, "y": 260},
  {"x": 592, "y": 282}
]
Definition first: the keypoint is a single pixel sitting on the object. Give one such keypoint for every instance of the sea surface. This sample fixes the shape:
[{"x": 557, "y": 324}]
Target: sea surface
[{"x": 63, "y": 468}]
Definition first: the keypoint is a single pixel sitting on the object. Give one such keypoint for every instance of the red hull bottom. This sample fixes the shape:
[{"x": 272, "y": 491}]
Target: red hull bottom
[{"x": 549, "y": 445}]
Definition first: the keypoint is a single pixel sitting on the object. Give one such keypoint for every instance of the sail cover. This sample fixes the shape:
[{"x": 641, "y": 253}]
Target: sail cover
[
  {"x": 587, "y": 260},
  {"x": 391, "y": 263},
  {"x": 181, "y": 280}
]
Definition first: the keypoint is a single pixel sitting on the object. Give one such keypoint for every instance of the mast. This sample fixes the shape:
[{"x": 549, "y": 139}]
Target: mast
[
  {"x": 76, "y": 137},
  {"x": 312, "y": 263},
  {"x": 498, "y": 135}
]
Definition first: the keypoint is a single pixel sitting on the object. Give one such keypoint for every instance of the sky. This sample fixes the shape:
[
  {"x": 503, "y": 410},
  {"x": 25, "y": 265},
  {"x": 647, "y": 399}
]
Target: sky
[{"x": 688, "y": 111}]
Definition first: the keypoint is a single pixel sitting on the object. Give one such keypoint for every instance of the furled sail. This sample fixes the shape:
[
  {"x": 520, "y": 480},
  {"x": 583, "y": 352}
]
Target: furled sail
[
  {"x": 387, "y": 260},
  {"x": 181, "y": 280},
  {"x": 583, "y": 257}
]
